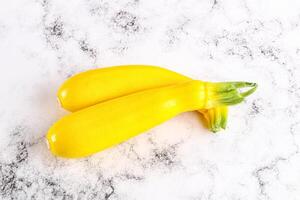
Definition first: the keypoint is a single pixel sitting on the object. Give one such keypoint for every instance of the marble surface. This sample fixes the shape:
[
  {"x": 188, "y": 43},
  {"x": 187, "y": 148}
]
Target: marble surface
[{"x": 43, "y": 42}]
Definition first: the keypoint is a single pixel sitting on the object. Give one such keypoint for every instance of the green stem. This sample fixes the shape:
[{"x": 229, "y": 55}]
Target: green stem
[{"x": 229, "y": 93}]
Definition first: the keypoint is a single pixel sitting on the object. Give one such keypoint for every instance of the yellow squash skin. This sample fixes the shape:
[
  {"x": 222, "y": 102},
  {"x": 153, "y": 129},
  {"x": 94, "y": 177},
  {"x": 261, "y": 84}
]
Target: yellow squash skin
[
  {"x": 103, "y": 125},
  {"x": 99, "y": 85}
]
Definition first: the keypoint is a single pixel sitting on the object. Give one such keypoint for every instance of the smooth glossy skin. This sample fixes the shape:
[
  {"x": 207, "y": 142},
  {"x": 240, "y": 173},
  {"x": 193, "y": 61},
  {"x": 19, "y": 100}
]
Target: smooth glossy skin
[
  {"x": 103, "y": 125},
  {"x": 99, "y": 85}
]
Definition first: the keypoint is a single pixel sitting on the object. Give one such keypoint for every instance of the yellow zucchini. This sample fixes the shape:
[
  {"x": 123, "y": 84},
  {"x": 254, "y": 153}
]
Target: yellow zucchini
[{"x": 103, "y": 125}]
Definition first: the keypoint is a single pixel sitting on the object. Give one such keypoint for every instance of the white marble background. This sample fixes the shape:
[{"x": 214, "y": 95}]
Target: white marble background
[{"x": 42, "y": 42}]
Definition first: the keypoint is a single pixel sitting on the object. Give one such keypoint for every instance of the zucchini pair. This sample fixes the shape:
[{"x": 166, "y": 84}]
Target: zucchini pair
[{"x": 111, "y": 105}]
